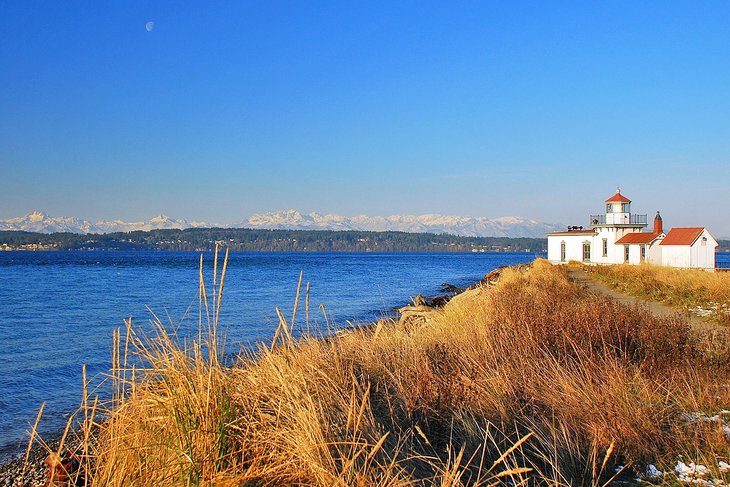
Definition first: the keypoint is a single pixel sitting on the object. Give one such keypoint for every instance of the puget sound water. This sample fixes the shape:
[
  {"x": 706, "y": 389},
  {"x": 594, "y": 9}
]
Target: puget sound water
[{"x": 58, "y": 310}]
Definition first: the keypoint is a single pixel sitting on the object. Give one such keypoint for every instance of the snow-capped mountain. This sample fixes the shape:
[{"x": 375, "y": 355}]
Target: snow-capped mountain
[
  {"x": 157, "y": 223},
  {"x": 42, "y": 223},
  {"x": 509, "y": 226}
]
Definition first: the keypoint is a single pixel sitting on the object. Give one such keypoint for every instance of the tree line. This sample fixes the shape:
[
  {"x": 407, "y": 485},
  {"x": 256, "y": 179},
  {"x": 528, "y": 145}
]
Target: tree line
[{"x": 244, "y": 239}]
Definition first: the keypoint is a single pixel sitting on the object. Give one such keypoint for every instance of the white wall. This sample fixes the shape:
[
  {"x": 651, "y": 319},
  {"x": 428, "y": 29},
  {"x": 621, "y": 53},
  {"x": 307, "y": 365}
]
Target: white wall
[
  {"x": 553, "y": 253},
  {"x": 573, "y": 247},
  {"x": 702, "y": 253},
  {"x": 654, "y": 253},
  {"x": 610, "y": 235},
  {"x": 615, "y": 252},
  {"x": 635, "y": 254},
  {"x": 621, "y": 218},
  {"x": 676, "y": 256},
  {"x": 698, "y": 256}
]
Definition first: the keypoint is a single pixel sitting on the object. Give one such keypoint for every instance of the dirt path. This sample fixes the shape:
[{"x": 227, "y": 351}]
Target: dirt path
[{"x": 584, "y": 279}]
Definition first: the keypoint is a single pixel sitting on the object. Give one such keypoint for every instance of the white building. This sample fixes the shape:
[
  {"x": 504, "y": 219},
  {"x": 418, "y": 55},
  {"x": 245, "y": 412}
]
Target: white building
[
  {"x": 616, "y": 237},
  {"x": 689, "y": 248}
]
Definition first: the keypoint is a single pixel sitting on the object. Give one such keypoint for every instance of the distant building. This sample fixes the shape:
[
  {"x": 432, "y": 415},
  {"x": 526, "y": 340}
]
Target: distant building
[{"x": 616, "y": 237}]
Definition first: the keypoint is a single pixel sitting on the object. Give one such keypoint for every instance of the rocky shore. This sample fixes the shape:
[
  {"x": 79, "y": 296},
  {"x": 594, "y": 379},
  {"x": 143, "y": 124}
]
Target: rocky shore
[{"x": 16, "y": 473}]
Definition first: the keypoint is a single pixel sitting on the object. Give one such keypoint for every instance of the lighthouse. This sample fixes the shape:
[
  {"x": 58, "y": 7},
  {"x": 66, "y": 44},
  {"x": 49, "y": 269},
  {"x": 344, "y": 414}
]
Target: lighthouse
[{"x": 616, "y": 237}]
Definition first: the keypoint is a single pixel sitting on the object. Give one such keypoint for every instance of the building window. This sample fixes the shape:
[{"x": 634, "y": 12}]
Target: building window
[
  {"x": 609, "y": 208},
  {"x": 625, "y": 207},
  {"x": 626, "y": 253},
  {"x": 586, "y": 251},
  {"x": 562, "y": 251},
  {"x": 643, "y": 253},
  {"x": 605, "y": 247}
]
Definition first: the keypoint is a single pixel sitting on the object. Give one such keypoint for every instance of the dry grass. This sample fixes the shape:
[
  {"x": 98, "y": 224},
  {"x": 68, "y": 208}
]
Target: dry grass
[
  {"x": 530, "y": 381},
  {"x": 682, "y": 288}
]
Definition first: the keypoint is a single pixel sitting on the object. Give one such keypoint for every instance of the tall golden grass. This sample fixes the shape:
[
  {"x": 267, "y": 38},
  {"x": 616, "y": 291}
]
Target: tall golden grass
[
  {"x": 681, "y": 288},
  {"x": 530, "y": 381}
]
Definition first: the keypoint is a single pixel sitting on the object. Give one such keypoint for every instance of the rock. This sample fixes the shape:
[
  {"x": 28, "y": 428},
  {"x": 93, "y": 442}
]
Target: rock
[
  {"x": 439, "y": 301},
  {"x": 449, "y": 288}
]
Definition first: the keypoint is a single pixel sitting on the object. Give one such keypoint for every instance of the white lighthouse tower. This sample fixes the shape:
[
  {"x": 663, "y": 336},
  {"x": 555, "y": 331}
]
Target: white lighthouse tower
[{"x": 614, "y": 224}]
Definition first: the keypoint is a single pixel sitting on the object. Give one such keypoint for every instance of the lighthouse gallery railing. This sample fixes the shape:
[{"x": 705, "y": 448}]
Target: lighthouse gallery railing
[{"x": 631, "y": 220}]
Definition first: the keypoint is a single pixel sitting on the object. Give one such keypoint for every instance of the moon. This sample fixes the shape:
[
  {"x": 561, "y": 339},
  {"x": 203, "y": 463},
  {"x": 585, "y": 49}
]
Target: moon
[{"x": 149, "y": 26}]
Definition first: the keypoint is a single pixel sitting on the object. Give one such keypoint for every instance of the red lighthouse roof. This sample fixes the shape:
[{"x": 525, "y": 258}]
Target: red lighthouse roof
[{"x": 618, "y": 198}]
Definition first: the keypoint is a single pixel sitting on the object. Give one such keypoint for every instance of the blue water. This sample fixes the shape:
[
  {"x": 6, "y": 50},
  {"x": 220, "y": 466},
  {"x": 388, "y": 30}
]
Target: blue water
[
  {"x": 722, "y": 260},
  {"x": 58, "y": 309}
]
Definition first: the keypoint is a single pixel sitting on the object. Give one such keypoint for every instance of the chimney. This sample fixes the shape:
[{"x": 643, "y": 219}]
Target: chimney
[{"x": 658, "y": 224}]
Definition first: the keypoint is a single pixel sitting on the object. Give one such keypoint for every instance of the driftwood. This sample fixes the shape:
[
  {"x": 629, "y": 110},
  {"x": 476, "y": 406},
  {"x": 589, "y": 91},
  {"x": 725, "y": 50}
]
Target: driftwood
[{"x": 415, "y": 315}]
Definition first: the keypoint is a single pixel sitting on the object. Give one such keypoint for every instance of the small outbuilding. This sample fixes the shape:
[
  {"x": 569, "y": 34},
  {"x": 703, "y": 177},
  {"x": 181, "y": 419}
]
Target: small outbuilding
[{"x": 691, "y": 248}]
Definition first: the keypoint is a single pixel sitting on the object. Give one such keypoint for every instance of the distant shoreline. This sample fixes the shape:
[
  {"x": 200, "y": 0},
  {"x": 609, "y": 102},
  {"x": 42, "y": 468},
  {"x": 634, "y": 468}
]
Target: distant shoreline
[
  {"x": 250, "y": 240},
  {"x": 254, "y": 240}
]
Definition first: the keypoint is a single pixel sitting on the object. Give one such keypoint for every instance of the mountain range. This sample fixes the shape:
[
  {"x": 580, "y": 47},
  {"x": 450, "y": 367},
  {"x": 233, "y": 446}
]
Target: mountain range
[
  {"x": 42, "y": 223},
  {"x": 509, "y": 226}
]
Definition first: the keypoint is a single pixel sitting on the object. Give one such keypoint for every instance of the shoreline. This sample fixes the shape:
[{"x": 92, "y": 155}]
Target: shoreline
[
  {"x": 12, "y": 464},
  {"x": 12, "y": 469},
  {"x": 437, "y": 341},
  {"x": 390, "y": 281}
]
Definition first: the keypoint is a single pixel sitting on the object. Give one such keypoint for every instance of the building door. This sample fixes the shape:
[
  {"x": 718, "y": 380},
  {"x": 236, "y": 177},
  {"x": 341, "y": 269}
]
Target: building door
[
  {"x": 626, "y": 253},
  {"x": 586, "y": 251}
]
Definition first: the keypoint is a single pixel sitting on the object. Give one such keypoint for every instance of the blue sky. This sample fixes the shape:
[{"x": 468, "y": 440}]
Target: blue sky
[{"x": 223, "y": 109}]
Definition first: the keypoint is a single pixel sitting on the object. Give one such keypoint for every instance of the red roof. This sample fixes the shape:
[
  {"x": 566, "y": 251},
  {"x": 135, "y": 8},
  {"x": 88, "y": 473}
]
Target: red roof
[
  {"x": 637, "y": 238},
  {"x": 682, "y": 236},
  {"x": 618, "y": 198},
  {"x": 574, "y": 232}
]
